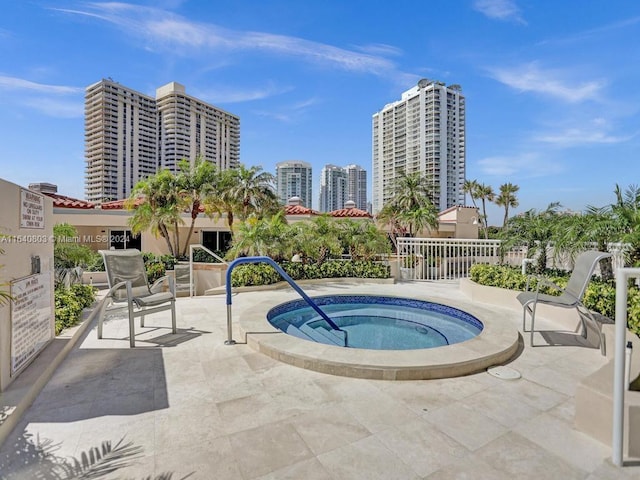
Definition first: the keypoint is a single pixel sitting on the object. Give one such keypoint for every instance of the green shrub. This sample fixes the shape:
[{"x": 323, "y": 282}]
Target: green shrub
[
  {"x": 599, "y": 297},
  {"x": 264, "y": 274},
  {"x": 69, "y": 303}
]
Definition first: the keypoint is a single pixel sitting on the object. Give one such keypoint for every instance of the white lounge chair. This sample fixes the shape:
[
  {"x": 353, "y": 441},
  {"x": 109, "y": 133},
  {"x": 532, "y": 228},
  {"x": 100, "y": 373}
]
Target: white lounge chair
[
  {"x": 570, "y": 297},
  {"x": 128, "y": 283}
]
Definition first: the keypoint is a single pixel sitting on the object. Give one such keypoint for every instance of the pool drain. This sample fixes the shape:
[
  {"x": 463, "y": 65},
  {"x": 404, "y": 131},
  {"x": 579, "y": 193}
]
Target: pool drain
[{"x": 505, "y": 373}]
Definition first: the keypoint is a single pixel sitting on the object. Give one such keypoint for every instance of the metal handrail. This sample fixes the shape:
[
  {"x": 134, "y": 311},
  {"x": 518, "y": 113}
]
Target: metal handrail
[
  {"x": 622, "y": 277},
  {"x": 202, "y": 247},
  {"x": 290, "y": 281}
]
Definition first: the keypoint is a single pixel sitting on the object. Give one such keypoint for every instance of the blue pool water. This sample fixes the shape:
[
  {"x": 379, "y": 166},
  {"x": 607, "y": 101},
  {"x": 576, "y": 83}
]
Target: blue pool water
[{"x": 376, "y": 322}]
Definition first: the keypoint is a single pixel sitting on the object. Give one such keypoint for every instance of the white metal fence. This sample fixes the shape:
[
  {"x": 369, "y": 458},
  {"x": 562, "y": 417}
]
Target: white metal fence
[{"x": 451, "y": 258}]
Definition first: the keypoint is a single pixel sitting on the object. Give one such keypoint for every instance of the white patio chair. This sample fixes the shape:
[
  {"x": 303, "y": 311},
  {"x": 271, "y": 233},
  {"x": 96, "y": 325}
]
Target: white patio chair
[
  {"x": 128, "y": 283},
  {"x": 570, "y": 297}
]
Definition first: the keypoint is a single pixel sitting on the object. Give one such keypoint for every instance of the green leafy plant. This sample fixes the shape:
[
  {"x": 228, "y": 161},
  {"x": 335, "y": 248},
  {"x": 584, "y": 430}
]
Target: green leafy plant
[
  {"x": 261, "y": 274},
  {"x": 69, "y": 303}
]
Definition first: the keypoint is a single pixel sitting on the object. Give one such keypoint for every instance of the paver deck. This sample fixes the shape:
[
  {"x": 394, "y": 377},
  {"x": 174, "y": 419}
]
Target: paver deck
[{"x": 195, "y": 408}]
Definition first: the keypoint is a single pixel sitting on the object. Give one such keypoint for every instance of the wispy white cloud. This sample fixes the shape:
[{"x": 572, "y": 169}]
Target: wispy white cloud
[
  {"x": 525, "y": 165},
  {"x": 597, "y": 132},
  {"x": 594, "y": 32},
  {"x": 57, "y": 108},
  {"x": 505, "y": 10},
  {"x": 531, "y": 78},
  {"x": 14, "y": 83},
  {"x": 289, "y": 113},
  {"x": 226, "y": 94},
  {"x": 54, "y": 100},
  {"x": 163, "y": 29}
]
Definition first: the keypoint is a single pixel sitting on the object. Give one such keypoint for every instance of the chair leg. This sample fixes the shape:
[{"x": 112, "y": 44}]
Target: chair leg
[
  {"x": 132, "y": 330},
  {"x": 173, "y": 317},
  {"x": 101, "y": 313},
  {"x": 533, "y": 316}
]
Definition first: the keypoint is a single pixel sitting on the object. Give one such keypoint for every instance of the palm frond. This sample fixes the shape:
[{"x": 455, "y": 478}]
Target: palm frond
[{"x": 100, "y": 461}]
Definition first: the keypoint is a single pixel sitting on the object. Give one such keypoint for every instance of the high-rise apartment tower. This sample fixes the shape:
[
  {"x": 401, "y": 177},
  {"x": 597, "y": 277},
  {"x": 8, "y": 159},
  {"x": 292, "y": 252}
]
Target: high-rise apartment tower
[
  {"x": 293, "y": 179},
  {"x": 333, "y": 188},
  {"x": 338, "y": 185},
  {"x": 130, "y": 136},
  {"x": 357, "y": 185},
  {"x": 424, "y": 131}
]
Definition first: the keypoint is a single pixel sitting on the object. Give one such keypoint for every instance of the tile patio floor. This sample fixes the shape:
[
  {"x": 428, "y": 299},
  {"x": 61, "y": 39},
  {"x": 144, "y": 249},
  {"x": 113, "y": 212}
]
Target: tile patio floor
[{"x": 196, "y": 408}]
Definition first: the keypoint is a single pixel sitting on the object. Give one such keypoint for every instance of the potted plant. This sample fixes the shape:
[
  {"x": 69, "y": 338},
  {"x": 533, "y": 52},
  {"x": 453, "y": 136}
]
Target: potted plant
[{"x": 408, "y": 266}]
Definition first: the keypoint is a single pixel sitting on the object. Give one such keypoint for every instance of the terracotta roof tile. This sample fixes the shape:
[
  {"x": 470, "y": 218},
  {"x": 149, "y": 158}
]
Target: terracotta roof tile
[
  {"x": 350, "y": 213},
  {"x": 62, "y": 201},
  {"x": 298, "y": 210}
]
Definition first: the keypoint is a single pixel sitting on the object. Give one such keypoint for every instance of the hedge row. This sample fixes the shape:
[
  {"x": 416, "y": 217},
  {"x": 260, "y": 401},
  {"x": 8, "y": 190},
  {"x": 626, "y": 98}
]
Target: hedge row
[{"x": 264, "y": 274}]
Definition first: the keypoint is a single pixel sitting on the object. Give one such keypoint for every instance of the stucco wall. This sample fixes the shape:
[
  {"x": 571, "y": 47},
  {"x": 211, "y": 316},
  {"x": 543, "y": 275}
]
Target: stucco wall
[{"x": 21, "y": 244}]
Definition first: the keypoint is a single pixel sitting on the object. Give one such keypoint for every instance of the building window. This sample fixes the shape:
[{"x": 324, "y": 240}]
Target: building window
[{"x": 122, "y": 239}]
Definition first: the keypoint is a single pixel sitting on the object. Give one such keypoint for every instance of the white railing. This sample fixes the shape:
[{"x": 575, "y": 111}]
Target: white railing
[
  {"x": 191, "y": 250},
  {"x": 451, "y": 258},
  {"x": 443, "y": 258},
  {"x": 620, "y": 380}
]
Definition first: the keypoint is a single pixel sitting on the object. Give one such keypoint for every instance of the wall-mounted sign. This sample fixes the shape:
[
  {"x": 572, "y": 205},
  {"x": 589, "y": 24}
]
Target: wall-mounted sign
[
  {"x": 31, "y": 209},
  {"x": 31, "y": 313}
]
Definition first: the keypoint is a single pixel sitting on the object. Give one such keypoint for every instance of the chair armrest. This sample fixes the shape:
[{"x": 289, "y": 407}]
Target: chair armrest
[
  {"x": 117, "y": 286},
  {"x": 542, "y": 281},
  {"x": 156, "y": 285}
]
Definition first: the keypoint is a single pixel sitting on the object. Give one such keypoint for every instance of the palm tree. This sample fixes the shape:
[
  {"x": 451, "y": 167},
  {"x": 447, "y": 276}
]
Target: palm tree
[
  {"x": 362, "y": 239},
  {"x": 485, "y": 194},
  {"x": 157, "y": 207},
  {"x": 223, "y": 201},
  {"x": 577, "y": 233},
  {"x": 196, "y": 181},
  {"x": 471, "y": 187},
  {"x": 507, "y": 198},
  {"x": 260, "y": 236},
  {"x": 627, "y": 211},
  {"x": 242, "y": 192},
  {"x": 254, "y": 190},
  {"x": 316, "y": 240},
  {"x": 411, "y": 207},
  {"x": 534, "y": 229}
]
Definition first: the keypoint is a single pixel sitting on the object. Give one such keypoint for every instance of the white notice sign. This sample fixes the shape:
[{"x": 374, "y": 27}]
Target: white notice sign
[
  {"x": 31, "y": 312},
  {"x": 31, "y": 209}
]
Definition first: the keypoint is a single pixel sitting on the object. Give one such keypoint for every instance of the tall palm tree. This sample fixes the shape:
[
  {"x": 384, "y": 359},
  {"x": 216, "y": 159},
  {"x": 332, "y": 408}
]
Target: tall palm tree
[
  {"x": 196, "y": 181},
  {"x": 470, "y": 187},
  {"x": 223, "y": 200},
  {"x": 412, "y": 202},
  {"x": 254, "y": 190},
  {"x": 507, "y": 198},
  {"x": 485, "y": 194},
  {"x": 157, "y": 206}
]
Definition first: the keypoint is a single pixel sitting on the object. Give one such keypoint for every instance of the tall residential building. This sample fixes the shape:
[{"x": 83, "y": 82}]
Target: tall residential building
[
  {"x": 293, "y": 179},
  {"x": 357, "y": 185},
  {"x": 333, "y": 188},
  {"x": 130, "y": 136},
  {"x": 424, "y": 131}
]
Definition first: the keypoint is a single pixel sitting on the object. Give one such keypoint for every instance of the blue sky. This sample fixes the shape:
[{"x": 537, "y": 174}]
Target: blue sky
[{"x": 551, "y": 86}]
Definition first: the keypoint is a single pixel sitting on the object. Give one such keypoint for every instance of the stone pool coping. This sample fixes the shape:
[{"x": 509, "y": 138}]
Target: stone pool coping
[{"x": 496, "y": 344}]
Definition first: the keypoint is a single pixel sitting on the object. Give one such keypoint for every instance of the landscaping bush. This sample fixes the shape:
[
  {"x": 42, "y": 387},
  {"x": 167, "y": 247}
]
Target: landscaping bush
[
  {"x": 599, "y": 297},
  {"x": 263, "y": 274},
  {"x": 69, "y": 303}
]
